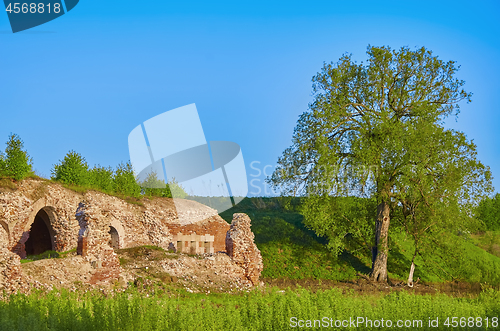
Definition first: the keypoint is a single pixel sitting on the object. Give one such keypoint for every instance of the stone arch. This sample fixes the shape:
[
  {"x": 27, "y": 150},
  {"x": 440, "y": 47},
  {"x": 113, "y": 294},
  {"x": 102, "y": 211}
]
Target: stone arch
[
  {"x": 39, "y": 235},
  {"x": 117, "y": 234}
]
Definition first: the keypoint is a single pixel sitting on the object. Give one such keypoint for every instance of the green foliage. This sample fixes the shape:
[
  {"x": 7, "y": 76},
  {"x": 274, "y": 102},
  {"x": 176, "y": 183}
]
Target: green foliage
[
  {"x": 101, "y": 178},
  {"x": 488, "y": 211},
  {"x": 176, "y": 190},
  {"x": 257, "y": 310},
  {"x": 489, "y": 241},
  {"x": 124, "y": 181},
  {"x": 15, "y": 163},
  {"x": 347, "y": 222},
  {"x": 153, "y": 186},
  {"x": 3, "y": 165},
  {"x": 73, "y": 170}
]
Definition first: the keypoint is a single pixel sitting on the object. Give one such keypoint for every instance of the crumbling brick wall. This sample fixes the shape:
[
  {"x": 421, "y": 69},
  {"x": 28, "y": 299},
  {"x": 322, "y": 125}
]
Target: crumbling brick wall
[{"x": 241, "y": 248}]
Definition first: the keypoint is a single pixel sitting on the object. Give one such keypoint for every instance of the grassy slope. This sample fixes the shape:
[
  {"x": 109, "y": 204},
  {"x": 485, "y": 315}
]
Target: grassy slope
[{"x": 290, "y": 250}]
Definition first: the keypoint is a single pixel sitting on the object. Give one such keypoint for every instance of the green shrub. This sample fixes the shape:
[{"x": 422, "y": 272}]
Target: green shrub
[
  {"x": 3, "y": 165},
  {"x": 153, "y": 186},
  {"x": 73, "y": 169},
  {"x": 488, "y": 211},
  {"x": 101, "y": 178},
  {"x": 16, "y": 162},
  {"x": 124, "y": 181},
  {"x": 176, "y": 190},
  {"x": 257, "y": 310}
]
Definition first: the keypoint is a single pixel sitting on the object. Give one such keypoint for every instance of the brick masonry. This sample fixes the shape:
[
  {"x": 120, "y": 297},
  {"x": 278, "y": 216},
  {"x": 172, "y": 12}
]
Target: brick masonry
[{"x": 96, "y": 224}]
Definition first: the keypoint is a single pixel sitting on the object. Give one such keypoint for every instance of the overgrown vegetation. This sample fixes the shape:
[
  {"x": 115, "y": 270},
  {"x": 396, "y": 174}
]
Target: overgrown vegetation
[{"x": 269, "y": 310}]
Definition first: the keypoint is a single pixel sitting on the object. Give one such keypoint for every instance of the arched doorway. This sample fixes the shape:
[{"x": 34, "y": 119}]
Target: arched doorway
[
  {"x": 41, "y": 238},
  {"x": 115, "y": 238}
]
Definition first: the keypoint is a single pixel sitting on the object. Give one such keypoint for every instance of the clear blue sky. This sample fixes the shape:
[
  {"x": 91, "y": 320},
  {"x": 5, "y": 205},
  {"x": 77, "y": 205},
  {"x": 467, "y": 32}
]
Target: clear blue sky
[{"x": 84, "y": 81}]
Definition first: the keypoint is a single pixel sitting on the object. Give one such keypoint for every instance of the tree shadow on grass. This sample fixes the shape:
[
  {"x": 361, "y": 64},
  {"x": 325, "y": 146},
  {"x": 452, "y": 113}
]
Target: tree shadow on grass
[
  {"x": 397, "y": 263},
  {"x": 354, "y": 262}
]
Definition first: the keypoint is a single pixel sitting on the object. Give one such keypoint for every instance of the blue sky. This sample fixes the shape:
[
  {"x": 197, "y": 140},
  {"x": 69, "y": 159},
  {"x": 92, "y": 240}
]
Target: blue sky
[{"x": 84, "y": 81}]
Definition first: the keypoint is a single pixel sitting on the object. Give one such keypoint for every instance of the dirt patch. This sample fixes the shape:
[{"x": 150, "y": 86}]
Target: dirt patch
[{"x": 364, "y": 286}]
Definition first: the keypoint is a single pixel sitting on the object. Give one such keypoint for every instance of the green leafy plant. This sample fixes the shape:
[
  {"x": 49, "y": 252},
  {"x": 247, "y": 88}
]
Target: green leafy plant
[
  {"x": 16, "y": 162},
  {"x": 153, "y": 186},
  {"x": 125, "y": 182},
  {"x": 101, "y": 178},
  {"x": 73, "y": 169}
]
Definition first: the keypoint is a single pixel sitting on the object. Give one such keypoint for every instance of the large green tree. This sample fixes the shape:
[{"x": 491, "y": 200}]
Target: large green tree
[{"x": 358, "y": 136}]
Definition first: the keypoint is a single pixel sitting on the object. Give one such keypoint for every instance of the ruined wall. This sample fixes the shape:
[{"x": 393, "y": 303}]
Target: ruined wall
[
  {"x": 200, "y": 220},
  {"x": 97, "y": 223},
  {"x": 19, "y": 208},
  {"x": 241, "y": 248},
  {"x": 84, "y": 220}
]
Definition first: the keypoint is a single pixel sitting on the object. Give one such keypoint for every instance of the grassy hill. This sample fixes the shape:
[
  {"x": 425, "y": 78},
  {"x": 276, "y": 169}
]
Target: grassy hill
[{"x": 292, "y": 251}]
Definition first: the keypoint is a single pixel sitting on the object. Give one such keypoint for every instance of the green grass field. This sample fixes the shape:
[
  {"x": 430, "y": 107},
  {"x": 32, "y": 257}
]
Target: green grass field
[{"x": 256, "y": 310}]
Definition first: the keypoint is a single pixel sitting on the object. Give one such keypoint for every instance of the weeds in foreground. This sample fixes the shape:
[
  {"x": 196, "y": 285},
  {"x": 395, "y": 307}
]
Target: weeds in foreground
[{"x": 257, "y": 310}]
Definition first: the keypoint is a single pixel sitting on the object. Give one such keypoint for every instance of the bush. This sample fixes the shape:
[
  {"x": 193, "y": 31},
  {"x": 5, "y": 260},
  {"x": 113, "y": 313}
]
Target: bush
[
  {"x": 72, "y": 170},
  {"x": 16, "y": 162},
  {"x": 488, "y": 211},
  {"x": 101, "y": 178},
  {"x": 153, "y": 186},
  {"x": 176, "y": 190},
  {"x": 124, "y": 181},
  {"x": 3, "y": 165}
]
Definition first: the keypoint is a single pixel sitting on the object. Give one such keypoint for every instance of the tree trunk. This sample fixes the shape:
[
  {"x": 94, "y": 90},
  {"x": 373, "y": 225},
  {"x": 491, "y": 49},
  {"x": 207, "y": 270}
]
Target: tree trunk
[
  {"x": 381, "y": 249},
  {"x": 412, "y": 270},
  {"x": 410, "y": 276}
]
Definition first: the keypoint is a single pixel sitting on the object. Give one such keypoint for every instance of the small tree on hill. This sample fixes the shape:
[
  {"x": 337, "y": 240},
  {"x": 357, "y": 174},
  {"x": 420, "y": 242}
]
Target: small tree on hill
[
  {"x": 73, "y": 169},
  {"x": 101, "y": 178},
  {"x": 125, "y": 182},
  {"x": 153, "y": 186},
  {"x": 16, "y": 163}
]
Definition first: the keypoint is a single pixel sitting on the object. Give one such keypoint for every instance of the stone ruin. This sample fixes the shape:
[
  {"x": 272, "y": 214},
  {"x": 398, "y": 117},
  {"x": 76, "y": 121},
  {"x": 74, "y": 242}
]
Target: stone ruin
[
  {"x": 241, "y": 248},
  {"x": 40, "y": 215}
]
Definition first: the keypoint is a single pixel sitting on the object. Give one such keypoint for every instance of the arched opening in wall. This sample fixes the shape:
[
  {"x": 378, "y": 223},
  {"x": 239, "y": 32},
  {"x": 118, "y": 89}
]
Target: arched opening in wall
[
  {"x": 115, "y": 238},
  {"x": 41, "y": 238}
]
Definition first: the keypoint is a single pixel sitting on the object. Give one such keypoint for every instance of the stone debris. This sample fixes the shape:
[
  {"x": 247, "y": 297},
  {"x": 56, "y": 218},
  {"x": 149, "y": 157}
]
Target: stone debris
[{"x": 241, "y": 248}]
